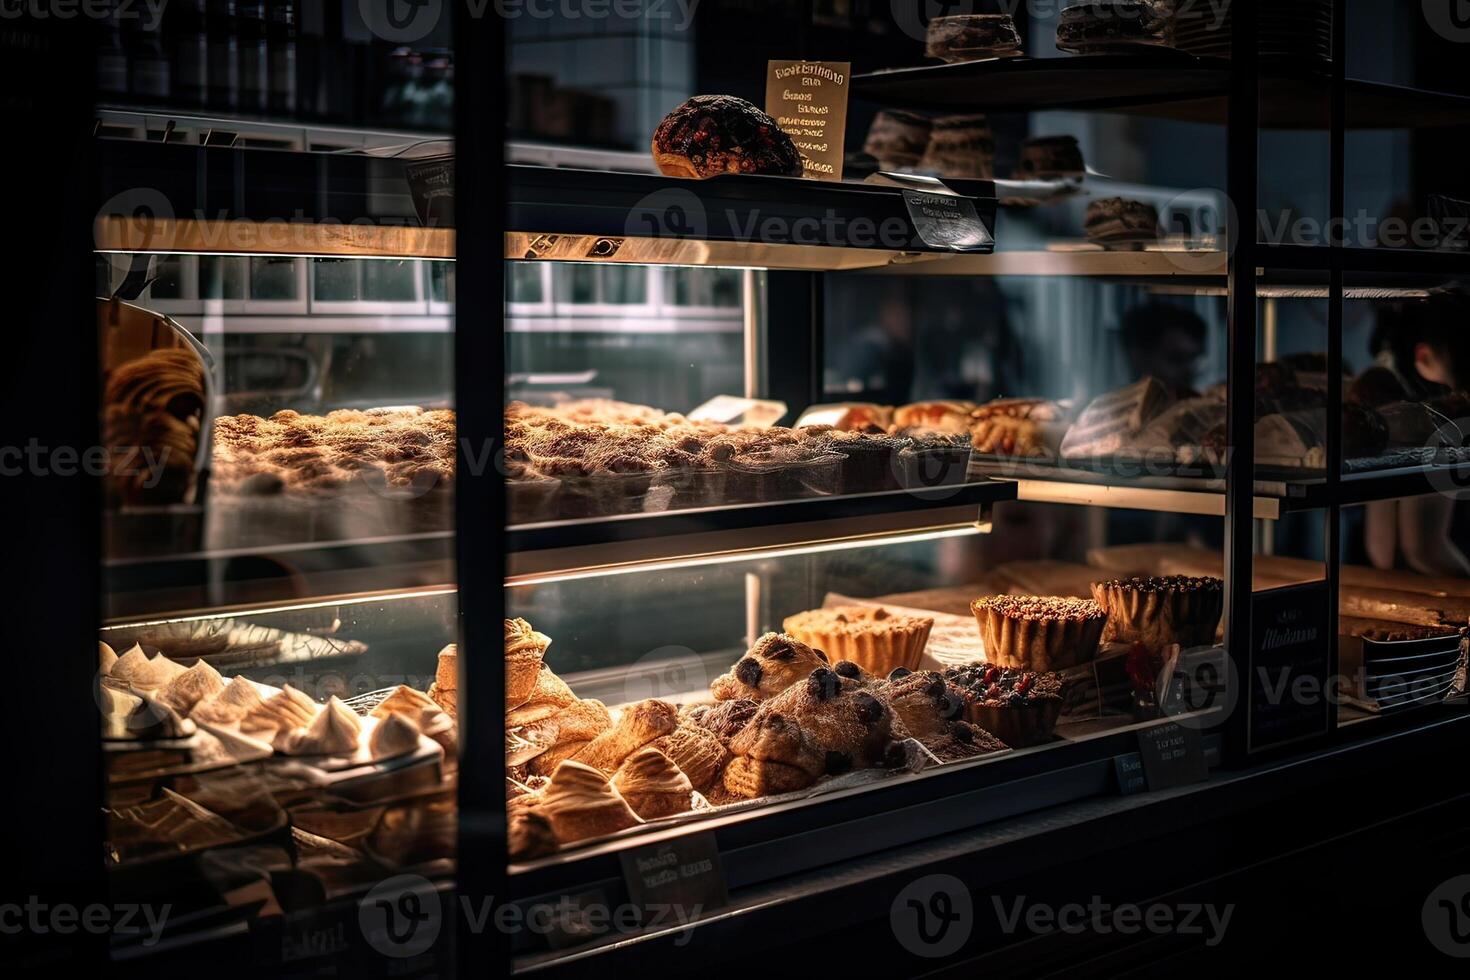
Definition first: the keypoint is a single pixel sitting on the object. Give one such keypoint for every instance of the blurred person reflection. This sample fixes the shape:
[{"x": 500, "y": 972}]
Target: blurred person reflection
[
  {"x": 1421, "y": 352},
  {"x": 1166, "y": 342}
]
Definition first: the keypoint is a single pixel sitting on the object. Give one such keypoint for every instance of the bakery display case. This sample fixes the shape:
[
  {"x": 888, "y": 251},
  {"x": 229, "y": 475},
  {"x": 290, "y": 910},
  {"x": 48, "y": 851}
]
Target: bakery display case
[{"x": 526, "y": 520}]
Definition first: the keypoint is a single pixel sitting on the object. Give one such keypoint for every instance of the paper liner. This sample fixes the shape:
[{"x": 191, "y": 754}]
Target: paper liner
[
  {"x": 1038, "y": 644},
  {"x": 1160, "y": 617},
  {"x": 877, "y": 653}
]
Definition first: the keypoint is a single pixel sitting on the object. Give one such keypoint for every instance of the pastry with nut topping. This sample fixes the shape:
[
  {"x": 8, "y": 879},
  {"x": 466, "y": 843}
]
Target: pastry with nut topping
[
  {"x": 1161, "y": 610},
  {"x": 1033, "y": 633}
]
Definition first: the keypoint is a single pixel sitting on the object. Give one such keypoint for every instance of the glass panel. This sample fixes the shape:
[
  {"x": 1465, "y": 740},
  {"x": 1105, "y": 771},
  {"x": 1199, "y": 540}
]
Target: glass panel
[
  {"x": 222, "y": 277},
  {"x": 336, "y": 280},
  {"x": 390, "y": 282},
  {"x": 272, "y": 278},
  {"x": 279, "y": 731}
]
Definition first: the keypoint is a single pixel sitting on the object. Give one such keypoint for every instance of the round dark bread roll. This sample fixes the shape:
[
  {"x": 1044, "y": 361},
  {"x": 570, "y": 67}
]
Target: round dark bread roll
[{"x": 721, "y": 134}]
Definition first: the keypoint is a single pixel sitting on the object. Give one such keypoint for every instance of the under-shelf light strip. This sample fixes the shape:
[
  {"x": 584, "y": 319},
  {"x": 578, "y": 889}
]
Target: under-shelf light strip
[
  {"x": 757, "y": 554},
  {"x": 353, "y": 600}
]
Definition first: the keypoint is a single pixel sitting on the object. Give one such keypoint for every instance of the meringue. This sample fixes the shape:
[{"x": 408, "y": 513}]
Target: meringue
[
  {"x": 394, "y": 736},
  {"x": 284, "y": 711},
  {"x": 238, "y": 699},
  {"x": 334, "y": 731},
  {"x": 196, "y": 684}
]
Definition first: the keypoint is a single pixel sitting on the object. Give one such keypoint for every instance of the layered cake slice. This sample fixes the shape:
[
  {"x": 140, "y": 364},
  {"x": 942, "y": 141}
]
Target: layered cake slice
[{"x": 1112, "y": 420}]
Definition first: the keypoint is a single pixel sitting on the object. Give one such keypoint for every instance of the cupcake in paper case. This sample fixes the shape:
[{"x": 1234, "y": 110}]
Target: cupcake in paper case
[
  {"x": 1039, "y": 633},
  {"x": 1019, "y": 707},
  {"x": 1161, "y": 610},
  {"x": 875, "y": 639}
]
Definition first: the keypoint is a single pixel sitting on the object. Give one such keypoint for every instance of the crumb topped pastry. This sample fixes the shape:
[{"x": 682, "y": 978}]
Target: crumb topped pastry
[
  {"x": 722, "y": 134},
  {"x": 1036, "y": 633},
  {"x": 871, "y": 637},
  {"x": 1161, "y": 610}
]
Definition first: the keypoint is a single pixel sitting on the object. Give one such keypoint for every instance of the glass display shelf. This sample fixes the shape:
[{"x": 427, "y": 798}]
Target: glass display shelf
[{"x": 1164, "y": 84}]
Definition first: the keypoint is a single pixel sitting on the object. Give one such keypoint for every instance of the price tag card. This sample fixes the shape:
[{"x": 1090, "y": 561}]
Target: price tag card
[
  {"x": 948, "y": 221},
  {"x": 808, "y": 100},
  {"x": 1129, "y": 770},
  {"x": 1172, "y": 756},
  {"x": 677, "y": 880}
]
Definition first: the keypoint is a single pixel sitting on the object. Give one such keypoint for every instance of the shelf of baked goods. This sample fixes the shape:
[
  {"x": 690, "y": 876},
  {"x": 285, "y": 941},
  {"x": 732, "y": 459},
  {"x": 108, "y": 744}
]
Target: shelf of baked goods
[
  {"x": 1161, "y": 84},
  {"x": 733, "y": 219},
  {"x": 595, "y": 486},
  {"x": 302, "y": 750},
  {"x": 1144, "y": 447}
]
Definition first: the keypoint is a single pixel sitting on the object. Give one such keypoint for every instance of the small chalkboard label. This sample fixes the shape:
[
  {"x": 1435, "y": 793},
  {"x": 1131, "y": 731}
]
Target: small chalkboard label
[
  {"x": 677, "y": 880},
  {"x": 947, "y": 221},
  {"x": 1172, "y": 756},
  {"x": 1289, "y": 666},
  {"x": 431, "y": 184},
  {"x": 1129, "y": 770}
]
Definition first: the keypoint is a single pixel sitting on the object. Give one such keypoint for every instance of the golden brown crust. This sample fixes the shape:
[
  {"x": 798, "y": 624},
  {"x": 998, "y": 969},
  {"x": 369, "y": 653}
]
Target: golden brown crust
[
  {"x": 653, "y": 785},
  {"x": 639, "y": 724},
  {"x": 1160, "y": 611},
  {"x": 530, "y": 834},
  {"x": 579, "y": 803},
  {"x": 524, "y": 650},
  {"x": 697, "y": 751},
  {"x": 870, "y": 636},
  {"x": 1036, "y": 633}
]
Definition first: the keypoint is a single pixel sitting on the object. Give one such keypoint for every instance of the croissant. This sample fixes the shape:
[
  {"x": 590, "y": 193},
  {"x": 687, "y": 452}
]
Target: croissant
[
  {"x": 774, "y": 663},
  {"x": 285, "y": 710},
  {"x": 640, "y": 724},
  {"x": 238, "y": 699},
  {"x": 549, "y": 696},
  {"x": 579, "y": 803},
  {"x": 530, "y": 834},
  {"x": 653, "y": 785},
  {"x": 524, "y": 650}
]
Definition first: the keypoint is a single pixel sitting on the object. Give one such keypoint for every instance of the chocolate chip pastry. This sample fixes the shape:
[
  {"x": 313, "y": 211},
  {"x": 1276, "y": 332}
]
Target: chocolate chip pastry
[
  {"x": 724, "y": 719},
  {"x": 825, "y": 725},
  {"x": 933, "y": 711},
  {"x": 777, "y": 661}
]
